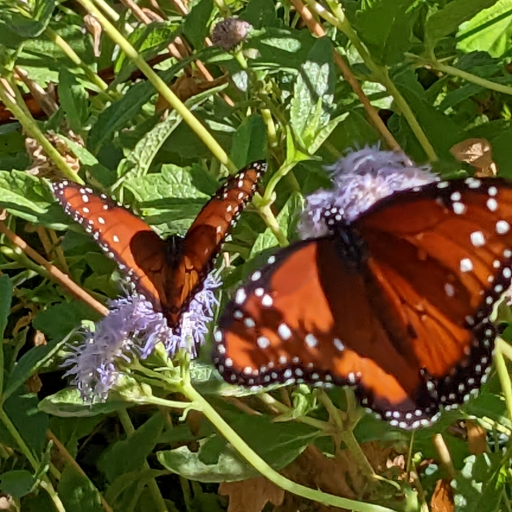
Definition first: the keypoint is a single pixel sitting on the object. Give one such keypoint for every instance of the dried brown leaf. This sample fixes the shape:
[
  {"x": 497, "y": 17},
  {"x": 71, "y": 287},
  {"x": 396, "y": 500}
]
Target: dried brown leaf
[
  {"x": 442, "y": 498},
  {"x": 251, "y": 495},
  {"x": 477, "y": 438},
  {"x": 478, "y": 154},
  {"x": 187, "y": 86}
]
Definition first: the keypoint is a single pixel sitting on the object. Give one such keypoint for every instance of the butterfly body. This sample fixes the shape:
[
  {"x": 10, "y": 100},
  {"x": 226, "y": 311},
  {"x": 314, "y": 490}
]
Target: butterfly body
[
  {"x": 167, "y": 272},
  {"x": 395, "y": 302}
]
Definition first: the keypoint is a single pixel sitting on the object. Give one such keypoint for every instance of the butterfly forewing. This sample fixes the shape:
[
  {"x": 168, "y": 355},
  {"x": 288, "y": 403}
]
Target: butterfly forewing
[
  {"x": 207, "y": 233},
  {"x": 115, "y": 229}
]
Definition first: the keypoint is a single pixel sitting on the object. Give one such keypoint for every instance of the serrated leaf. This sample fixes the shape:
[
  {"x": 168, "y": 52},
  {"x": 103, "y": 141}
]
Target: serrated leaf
[
  {"x": 489, "y": 31},
  {"x": 312, "y": 102},
  {"x": 74, "y": 99},
  {"x": 386, "y": 28},
  {"x": 447, "y": 20},
  {"x": 32, "y": 22},
  {"x": 168, "y": 197},
  {"x": 148, "y": 40},
  {"x": 24, "y": 195}
]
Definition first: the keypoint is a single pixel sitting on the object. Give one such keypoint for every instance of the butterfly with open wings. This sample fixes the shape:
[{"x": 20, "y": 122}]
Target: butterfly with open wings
[
  {"x": 394, "y": 302},
  {"x": 167, "y": 272}
]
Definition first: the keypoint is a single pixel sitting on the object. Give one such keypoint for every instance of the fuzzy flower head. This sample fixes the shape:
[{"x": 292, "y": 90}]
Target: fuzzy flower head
[
  {"x": 360, "y": 179},
  {"x": 228, "y": 33},
  {"x": 132, "y": 330}
]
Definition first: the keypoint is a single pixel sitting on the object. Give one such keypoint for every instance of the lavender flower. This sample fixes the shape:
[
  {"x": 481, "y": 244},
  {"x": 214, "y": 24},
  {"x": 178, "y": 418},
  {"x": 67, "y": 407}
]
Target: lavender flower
[
  {"x": 132, "y": 330},
  {"x": 359, "y": 180}
]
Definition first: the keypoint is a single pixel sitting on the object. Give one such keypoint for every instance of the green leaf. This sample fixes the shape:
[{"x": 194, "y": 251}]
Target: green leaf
[
  {"x": 58, "y": 320},
  {"x": 31, "y": 361},
  {"x": 446, "y": 21},
  {"x": 74, "y": 99},
  {"x": 31, "y": 424},
  {"x": 29, "y": 24},
  {"x": 5, "y": 303},
  {"x": 70, "y": 430},
  {"x": 386, "y": 28},
  {"x": 260, "y": 14},
  {"x": 130, "y": 454},
  {"x": 312, "y": 102},
  {"x": 230, "y": 467},
  {"x": 77, "y": 492},
  {"x": 170, "y": 199},
  {"x": 69, "y": 404},
  {"x": 277, "y": 443},
  {"x": 117, "y": 115},
  {"x": 196, "y": 27},
  {"x": 24, "y": 195},
  {"x": 148, "y": 40},
  {"x": 440, "y": 130},
  {"x": 140, "y": 159},
  {"x": 249, "y": 142},
  {"x": 489, "y": 31},
  {"x": 17, "y": 483}
]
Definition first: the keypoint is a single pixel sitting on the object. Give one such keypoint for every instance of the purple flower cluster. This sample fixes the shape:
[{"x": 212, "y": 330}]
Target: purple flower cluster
[
  {"x": 131, "y": 330},
  {"x": 359, "y": 180}
]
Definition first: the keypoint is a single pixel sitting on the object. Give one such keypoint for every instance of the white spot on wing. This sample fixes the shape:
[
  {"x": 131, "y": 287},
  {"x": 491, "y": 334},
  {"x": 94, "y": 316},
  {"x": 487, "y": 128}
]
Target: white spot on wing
[
  {"x": 466, "y": 265},
  {"x": 477, "y": 238},
  {"x": 449, "y": 289},
  {"x": 263, "y": 342},
  {"x": 240, "y": 296},
  {"x": 502, "y": 227},
  {"x": 284, "y": 332},
  {"x": 311, "y": 340}
]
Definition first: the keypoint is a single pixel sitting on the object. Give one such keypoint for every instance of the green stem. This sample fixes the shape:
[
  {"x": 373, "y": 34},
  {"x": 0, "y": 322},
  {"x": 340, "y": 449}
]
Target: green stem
[
  {"x": 152, "y": 485},
  {"x": 259, "y": 464},
  {"x": 73, "y": 56},
  {"x": 275, "y": 179},
  {"x": 340, "y": 21},
  {"x": 270, "y": 220},
  {"x": 10, "y": 97},
  {"x": 160, "y": 86},
  {"x": 488, "y": 84},
  {"x": 269, "y": 400},
  {"x": 45, "y": 481},
  {"x": 346, "y": 435},
  {"x": 271, "y": 127},
  {"x": 503, "y": 374}
]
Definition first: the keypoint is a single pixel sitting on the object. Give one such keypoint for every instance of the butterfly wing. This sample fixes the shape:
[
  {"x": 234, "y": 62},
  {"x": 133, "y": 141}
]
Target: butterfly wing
[
  {"x": 127, "y": 239},
  {"x": 396, "y": 304},
  {"x": 205, "y": 236}
]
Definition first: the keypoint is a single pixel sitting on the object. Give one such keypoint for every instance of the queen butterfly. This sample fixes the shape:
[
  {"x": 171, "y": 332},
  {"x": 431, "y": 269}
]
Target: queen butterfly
[
  {"x": 167, "y": 272},
  {"x": 395, "y": 302}
]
